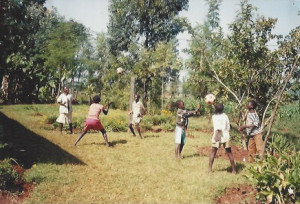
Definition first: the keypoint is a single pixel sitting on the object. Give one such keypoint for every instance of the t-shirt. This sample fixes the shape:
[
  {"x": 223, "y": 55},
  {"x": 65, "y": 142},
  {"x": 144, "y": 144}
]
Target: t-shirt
[
  {"x": 66, "y": 103},
  {"x": 95, "y": 110},
  {"x": 253, "y": 119},
  {"x": 182, "y": 117},
  {"x": 137, "y": 108},
  {"x": 221, "y": 122}
]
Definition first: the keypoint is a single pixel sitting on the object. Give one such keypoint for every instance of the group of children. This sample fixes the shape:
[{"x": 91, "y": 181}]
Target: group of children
[{"x": 221, "y": 125}]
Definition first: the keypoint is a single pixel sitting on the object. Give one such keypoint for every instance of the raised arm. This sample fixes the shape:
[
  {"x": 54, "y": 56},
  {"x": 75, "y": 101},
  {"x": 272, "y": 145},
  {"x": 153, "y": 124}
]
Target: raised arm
[{"x": 105, "y": 110}]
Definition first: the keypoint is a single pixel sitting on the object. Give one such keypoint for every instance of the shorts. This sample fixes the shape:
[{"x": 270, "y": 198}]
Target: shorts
[
  {"x": 218, "y": 144},
  {"x": 179, "y": 135},
  {"x": 93, "y": 124},
  {"x": 136, "y": 120},
  {"x": 64, "y": 118}
]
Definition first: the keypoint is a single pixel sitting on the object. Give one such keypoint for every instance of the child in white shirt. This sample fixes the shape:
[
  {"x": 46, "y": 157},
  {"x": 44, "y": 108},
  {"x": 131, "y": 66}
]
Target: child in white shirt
[{"x": 221, "y": 136}]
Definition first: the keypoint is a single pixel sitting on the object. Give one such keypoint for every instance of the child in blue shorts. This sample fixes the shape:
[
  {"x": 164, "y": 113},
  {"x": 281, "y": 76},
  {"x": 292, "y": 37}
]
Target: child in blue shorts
[{"x": 181, "y": 126}]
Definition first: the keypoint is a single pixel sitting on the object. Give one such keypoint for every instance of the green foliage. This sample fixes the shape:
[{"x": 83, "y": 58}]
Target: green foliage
[
  {"x": 8, "y": 176},
  {"x": 116, "y": 125},
  {"x": 50, "y": 119},
  {"x": 152, "y": 21},
  {"x": 277, "y": 176}
]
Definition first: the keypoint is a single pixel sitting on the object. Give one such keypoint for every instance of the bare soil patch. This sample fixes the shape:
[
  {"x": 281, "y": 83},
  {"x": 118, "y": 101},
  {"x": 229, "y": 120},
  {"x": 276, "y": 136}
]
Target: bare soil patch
[
  {"x": 239, "y": 154},
  {"x": 242, "y": 194}
]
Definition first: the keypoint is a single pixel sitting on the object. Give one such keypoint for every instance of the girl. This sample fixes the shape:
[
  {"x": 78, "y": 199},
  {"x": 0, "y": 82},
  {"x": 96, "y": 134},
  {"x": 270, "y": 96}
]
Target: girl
[{"x": 92, "y": 120}]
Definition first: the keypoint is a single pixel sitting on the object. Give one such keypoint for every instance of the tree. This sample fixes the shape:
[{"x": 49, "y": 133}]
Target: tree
[
  {"x": 145, "y": 22},
  {"x": 62, "y": 51},
  {"x": 242, "y": 64},
  {"x": 20, "y": 40}
]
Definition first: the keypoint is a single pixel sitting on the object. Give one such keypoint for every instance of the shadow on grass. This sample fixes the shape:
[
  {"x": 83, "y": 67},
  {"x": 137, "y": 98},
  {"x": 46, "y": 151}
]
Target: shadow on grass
[
  {"x": 112, "y": 143},
  {"x": 191, "y": 156},
  {"x": 239, "y": 167},
  {"x": 28, "y": 147},
  {"x": 146, "y": 136}
]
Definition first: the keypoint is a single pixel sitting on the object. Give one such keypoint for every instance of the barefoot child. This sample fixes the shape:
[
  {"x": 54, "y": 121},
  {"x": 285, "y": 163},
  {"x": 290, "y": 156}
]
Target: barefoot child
[
  {"x": 221, "y": 136},
  {"x": 138, "y": 110},
  {"x": 92, "y": 121},
  {"x": 65, "y": 110},
  {"x": 181, "y": 126},
  {"x": 254, "y": 132}
]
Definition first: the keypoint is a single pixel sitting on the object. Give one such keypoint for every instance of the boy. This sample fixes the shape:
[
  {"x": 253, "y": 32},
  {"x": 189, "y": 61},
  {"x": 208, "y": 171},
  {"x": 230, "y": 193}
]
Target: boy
[
  {"x": 92, "y": 120},
  {"x": 253, "y": 130},
  {"x": 181, "y": 126},
  {"x": 137, "y": 112},
  {"x": 221, "y": 136},
  {"x": 65, "y": 110}
]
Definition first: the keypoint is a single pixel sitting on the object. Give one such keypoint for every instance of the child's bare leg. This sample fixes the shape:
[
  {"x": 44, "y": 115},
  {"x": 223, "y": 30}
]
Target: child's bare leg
[
  {"x": 60, "y": 127},
  {"x": 230, "y": 156},
  {"x": 131, "y": 129},
  {"x": 137, "y": 126},
  {"x": 212, "y": 157},
  {"x": 177, "y": 147},
  {"x": 71, "y": 128},
  {"x": 79, "y": 138},
  {"x": 105, "y": 139},
  {"x": 180, "y": 149}
]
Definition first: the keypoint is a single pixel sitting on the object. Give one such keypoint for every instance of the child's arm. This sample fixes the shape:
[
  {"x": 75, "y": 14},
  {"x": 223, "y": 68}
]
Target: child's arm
[
  {"x": 241, "y": 128},
  {"x": 105, "y": 111},
  {"x": 192, "y": 113}
]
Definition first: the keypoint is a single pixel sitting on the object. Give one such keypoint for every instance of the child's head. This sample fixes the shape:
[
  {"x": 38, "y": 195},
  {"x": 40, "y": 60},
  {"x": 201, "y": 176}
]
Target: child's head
[
  {"x": 251, "y": 104},
  {"x": 96, "y": 99},
  {"x": 219, "y": 108},
  {"x": 66, "y": 90},
  {"x": 137, "y": 97},
  {"x": 180, "y": 104}
]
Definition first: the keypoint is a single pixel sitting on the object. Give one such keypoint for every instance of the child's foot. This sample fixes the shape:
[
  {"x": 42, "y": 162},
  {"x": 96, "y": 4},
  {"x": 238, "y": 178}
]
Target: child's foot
[{"x": 234, "y": 172}]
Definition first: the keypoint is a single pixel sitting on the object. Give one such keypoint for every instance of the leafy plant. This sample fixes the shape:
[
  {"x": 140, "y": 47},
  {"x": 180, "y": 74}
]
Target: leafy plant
[
  {"x": 8, "y": 176},
  {"x": 277, "y": 177}
]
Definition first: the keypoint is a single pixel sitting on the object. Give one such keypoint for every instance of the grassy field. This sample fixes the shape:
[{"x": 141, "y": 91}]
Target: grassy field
[{"x": 133, "y": 171}]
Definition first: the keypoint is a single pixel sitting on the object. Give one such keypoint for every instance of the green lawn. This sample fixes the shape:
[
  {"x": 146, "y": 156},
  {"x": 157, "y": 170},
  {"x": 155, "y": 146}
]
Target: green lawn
[{"x": 133, "y": 171}]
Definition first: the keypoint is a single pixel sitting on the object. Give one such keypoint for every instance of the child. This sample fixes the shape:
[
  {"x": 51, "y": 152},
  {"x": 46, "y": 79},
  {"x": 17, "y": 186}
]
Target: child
[
  {"x": 221, "y": 136},
  {"x": 181, "y": 126},
  {"x": 137, "y": 112},
  {"x": 92, "y": 120},
  {"x": 65, "y": 110},
  {"x": 253, "y": 130}
]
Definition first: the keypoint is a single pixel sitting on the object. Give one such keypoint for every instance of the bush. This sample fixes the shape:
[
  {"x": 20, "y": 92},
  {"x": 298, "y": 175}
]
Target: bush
[
  {"x": 168, "y": 126},
  {"x": 8, "y": 176},
  {"x": 113, "y": 125},
  {"x": 277, "y": 177},
  {"x": 50, "y": 119}
]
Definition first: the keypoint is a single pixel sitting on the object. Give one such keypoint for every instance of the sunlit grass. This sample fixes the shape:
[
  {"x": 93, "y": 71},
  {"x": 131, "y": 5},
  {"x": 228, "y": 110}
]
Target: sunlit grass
[{"x": 133, "y": 171}]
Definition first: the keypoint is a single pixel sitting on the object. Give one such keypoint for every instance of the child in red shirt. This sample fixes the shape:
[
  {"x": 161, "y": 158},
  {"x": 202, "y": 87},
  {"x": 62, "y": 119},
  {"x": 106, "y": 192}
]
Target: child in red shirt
[{"x": 92, "y": 121}]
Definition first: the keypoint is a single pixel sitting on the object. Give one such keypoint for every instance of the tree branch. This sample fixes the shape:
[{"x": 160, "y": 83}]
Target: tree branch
[{"x": 277, "y": 103}]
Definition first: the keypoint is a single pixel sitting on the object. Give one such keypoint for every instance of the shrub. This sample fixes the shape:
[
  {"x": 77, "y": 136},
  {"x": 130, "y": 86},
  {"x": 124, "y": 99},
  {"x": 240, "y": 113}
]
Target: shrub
[
  {"x": 168, "y": 126},
  {"x": 50, "y": 119},
  {"x": 8, "y": 176},
  {"x": 277, "y": 177},
  {"x": 115, "y": 125}
]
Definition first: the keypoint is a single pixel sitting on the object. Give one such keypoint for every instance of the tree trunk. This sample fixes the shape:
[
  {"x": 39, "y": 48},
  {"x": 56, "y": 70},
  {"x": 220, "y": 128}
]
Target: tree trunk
[{"x": 145, "y": 93}]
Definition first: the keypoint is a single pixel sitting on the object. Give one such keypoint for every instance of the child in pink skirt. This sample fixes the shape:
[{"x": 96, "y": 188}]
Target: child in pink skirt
[{"x": 92, "y": 121}]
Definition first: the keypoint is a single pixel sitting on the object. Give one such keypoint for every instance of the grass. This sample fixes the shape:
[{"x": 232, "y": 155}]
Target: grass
[{"x": 133, "y": 171}]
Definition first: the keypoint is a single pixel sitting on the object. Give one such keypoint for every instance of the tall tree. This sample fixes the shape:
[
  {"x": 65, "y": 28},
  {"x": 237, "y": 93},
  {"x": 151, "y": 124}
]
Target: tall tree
[
  {"x": 62, "y": 51},
  {"x": 145, "y": 22},
  {"x": 20, "y": 43}
]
